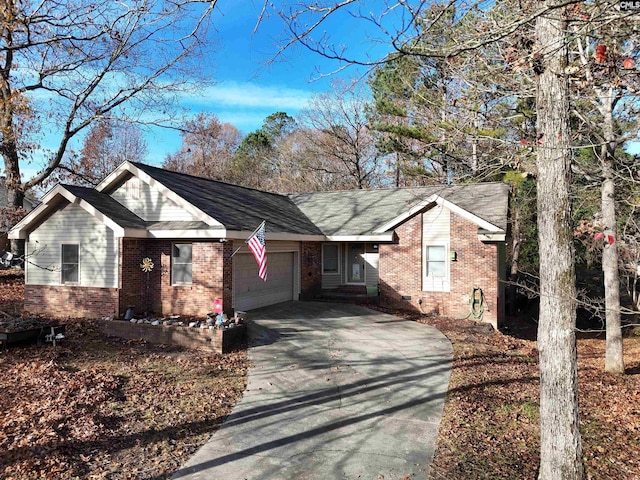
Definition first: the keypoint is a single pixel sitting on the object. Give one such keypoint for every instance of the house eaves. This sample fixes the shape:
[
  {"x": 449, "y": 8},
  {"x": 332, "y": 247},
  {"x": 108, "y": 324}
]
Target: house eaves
[
  {"x": 101, "y": 206},
  {"x": 366, "y": 215},
  {"x": 126, "y": 168}
]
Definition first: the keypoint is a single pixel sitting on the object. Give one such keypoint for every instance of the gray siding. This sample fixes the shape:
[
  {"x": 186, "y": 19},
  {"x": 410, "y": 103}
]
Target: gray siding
[
  {"x": 148, "y": 203},
  {"x": 72, "y": 224}
]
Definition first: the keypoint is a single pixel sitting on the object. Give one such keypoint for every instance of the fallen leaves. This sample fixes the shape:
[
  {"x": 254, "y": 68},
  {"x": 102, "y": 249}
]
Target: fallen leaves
[
  {"x": 490, "y": 428},
  {"x": 101, "y": 408}
]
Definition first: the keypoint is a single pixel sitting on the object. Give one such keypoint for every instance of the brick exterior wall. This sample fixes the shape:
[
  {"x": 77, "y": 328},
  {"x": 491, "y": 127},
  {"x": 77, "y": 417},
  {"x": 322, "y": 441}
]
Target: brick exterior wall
[
  {"x": 71, "y": 301},
  {"x": 310, "y": 269},
  {"x": 212, "y": 277},
  {"x": 476, "y": 266}
]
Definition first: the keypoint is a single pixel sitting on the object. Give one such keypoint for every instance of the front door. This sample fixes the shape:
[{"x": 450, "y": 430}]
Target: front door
[{"x": 355, "y": 263}]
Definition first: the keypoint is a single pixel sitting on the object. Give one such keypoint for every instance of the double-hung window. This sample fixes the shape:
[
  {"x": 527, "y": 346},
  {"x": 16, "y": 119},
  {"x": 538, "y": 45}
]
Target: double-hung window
[
  {"x": 435, "y": 261},
  {"x": 181, "y": 265},
  {"x": 330, "y": 259},
  {"x": 70, "y": 264},
  {"x": 435, "y": 268}
]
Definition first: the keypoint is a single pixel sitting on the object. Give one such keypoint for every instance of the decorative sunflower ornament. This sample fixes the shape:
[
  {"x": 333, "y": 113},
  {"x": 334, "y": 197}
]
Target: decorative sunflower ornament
[{"x": 146, "y": 265}]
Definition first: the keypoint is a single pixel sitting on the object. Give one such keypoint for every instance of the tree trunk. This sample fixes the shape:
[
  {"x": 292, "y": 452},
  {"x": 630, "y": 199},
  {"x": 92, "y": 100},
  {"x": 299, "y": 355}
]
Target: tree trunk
[
  {"x": 560, "y": 443},
  {"x": 614, "y": 357},
  {"x": 515, "y": 258}
]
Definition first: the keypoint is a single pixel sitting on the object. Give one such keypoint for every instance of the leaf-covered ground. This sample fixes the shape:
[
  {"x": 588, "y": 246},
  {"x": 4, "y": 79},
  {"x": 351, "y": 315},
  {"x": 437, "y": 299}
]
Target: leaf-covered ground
[
  {"x": 97, "y": 408},
  {"x": 490, "y": 425},
  {"x": 106, "y": 409}
]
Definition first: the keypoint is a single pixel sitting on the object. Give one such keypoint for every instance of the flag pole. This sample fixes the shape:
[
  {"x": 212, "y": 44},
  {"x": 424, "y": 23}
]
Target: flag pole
[{"x": 249, "y": 238}]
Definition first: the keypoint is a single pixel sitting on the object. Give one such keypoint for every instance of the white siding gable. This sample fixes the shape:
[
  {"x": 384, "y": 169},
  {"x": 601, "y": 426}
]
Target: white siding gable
[
  {"x": 436, "y": 224},
  {"x": 148, "y": 203},
  {"x": 72, "y": 225}
]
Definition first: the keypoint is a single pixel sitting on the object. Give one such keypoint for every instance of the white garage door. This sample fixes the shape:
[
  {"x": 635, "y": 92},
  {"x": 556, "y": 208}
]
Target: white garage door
[{"x": 249, "y": 291}]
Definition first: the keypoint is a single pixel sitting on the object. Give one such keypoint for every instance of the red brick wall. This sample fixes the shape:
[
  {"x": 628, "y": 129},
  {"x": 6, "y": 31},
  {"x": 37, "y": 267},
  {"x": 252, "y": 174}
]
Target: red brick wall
[
  {"x": 477, "y": 266},
  {"x": 68, "y": 301},
  {"x": 212, "y": 277},
  {"x": 310, "y": 269}
]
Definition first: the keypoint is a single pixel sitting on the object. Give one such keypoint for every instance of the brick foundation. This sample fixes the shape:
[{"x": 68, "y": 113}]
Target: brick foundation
[
  {"x": 476, "y": 266},
  {"x": 71, "y": 301}
]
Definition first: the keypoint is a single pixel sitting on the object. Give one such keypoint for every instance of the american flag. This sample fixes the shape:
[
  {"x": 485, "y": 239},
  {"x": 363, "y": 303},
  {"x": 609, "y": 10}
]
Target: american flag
[{"x": 256, "y": 243}]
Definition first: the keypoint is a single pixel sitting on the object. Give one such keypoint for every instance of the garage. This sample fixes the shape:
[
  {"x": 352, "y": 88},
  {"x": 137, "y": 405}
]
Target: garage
[{"x": 249, "y": 291}]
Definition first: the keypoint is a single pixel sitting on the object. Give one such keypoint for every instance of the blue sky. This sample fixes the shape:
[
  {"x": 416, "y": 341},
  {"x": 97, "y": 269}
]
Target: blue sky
[{"x": 249, "y": 88}]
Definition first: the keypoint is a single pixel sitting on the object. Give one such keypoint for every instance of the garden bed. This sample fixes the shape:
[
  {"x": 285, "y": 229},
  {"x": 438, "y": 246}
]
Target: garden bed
[{"x": 216, "y": 340}]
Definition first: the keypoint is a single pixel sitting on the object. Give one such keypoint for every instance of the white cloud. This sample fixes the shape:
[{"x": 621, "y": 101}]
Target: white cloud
[{"x": 243, "y": 95}]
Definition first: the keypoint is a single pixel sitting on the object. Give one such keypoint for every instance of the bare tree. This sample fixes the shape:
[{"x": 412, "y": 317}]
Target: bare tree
[
  {"x": 338, "y": 128},
  {"x": 561, "y": 450},
  {"x": 207, "y": 148},
  {"x": 64, "y": 65},
  {"x": 605, "y": 80},
  {"x": 107, "y": 144}
]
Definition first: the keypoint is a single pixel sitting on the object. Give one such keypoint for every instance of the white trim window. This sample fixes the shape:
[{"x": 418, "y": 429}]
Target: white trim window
[
  {"x": 330, "y": 258},
  {"x": 70, "y": 263},
  {"x": 436, "y": 268},
  {"x": 181, "y": 264}
]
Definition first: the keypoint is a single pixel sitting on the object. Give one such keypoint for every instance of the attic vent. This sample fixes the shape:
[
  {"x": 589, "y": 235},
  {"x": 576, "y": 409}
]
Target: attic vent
[{"x": 132, "y": 188}]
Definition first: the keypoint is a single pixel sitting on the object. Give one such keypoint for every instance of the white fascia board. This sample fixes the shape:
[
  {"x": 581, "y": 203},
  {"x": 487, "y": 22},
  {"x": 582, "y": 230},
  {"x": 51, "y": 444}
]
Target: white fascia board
[
  {"x": 293, "y": 237},
  {"x": 492, "y": 237},
  {"x": 223, "y": 234},
  {"x": 19, "y": 231},
  {"x": 469, "y": 216},
  {"x": 185, "y": 233},
  {"x": 445, "y": 203},
  {"x": 115, "y": 176},
  {"x": 135, "y": 233},
  {"x": 403, "y": 216},
  {"x": 383, "y": 237},
  {"x": 126, "y": 166}
]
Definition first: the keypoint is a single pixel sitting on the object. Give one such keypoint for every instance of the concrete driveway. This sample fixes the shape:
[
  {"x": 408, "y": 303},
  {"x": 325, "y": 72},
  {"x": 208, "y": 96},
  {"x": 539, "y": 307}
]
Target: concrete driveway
[{"x": 337, "y": 391}]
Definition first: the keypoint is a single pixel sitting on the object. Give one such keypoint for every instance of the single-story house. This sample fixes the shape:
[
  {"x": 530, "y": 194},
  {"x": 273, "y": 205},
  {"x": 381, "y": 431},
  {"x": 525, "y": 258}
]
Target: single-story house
[{"x": 434, "y": 249}]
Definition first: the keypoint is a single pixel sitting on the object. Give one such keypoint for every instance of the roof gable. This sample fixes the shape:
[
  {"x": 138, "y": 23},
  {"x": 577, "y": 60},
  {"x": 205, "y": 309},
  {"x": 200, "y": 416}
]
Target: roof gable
[
  {"x": 235, "y": 207},
  {"x": 371, "y": 212},
  {"x": 100, "y": 205}
]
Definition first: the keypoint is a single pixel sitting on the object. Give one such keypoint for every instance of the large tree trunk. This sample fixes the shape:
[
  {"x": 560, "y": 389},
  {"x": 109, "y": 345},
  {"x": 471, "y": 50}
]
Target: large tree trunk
[{"x": 560, "y": 443}]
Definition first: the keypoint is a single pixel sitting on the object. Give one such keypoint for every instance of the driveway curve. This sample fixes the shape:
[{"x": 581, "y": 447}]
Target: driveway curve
[{"x": 337, "y": 391}]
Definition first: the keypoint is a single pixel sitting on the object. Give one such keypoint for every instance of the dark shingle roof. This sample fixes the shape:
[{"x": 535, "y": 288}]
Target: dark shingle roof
[
  {"x": 338, "y": 213},
  {"x": 237, "y": 208},
  {"x": 362, "y": 212},
  {"x": 109, "y": 207}
]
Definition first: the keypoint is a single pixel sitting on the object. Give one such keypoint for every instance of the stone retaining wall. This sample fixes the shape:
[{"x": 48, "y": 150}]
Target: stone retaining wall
[{"x": 220, "y": 341}]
